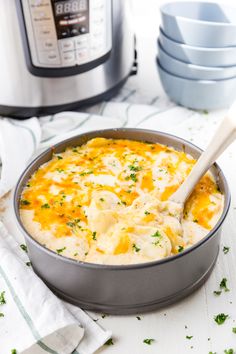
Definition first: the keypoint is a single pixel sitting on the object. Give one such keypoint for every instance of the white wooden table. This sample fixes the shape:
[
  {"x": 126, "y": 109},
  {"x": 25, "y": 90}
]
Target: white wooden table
[{"x": 193, "y": 316}]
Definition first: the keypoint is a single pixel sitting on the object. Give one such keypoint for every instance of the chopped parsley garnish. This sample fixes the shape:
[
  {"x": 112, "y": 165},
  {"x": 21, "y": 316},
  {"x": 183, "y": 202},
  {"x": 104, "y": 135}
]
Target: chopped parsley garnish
[
  {"x": 13, "y": 351},
  {"x": 86, "y": 253},
  {"x": 1, "y": 314},
  {"x": 75, "y": 254},
  {"x": 24, "y": 248},
  {"x": 59, "y": 157},
  {"x": 24, "y": 202},
  {"x": 157, "y": 234},
  {"x": 2, "y": 298},
  {"x": 148, "y": 341},
  {"x": 45, "y": 206},
  {"x": 195, "y": 220},
  {"x": 212, "y": 353},
  {"x": 146, "y": 212},
  {"x": 109, "y": 342},
  {"x": 205, "y": 111},
  {"x": 217, "y": 293},
  {"x": 229, "y": 351},
  {"x": 180, "y": 249},
  {"x": 220, "y": 318},
  {"x": 86, "y": 173},
  {"x": 189, "y": 337},
  {"x": 60, "y": 250},
  {"x": 94, "y": 235},
  {"x": 28, "y": 264},
  {"x": 133, "y": 177},
  {"x": 234, "y": 329},
  {"x": 223, "y": 284},
  {"x": 135, "y": 248},
  {"x": 70, "y": 224},
  {"x": 138, "y": 318},
  {"x": 60, "y": 170},
  {"x": 134, "y": 168},
  {"x": 225, "y": 249},
  {"x": 101, "y": 199},
  {"x": 103, "y": 315}
]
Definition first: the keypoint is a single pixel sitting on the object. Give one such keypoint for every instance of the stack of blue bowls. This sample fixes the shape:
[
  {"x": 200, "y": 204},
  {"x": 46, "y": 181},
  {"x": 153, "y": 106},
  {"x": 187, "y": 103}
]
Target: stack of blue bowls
[{"x": 197, "y": 54}]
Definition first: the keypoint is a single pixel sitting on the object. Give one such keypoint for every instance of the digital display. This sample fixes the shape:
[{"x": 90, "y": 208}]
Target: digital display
[{"x": 70, "y": 7}]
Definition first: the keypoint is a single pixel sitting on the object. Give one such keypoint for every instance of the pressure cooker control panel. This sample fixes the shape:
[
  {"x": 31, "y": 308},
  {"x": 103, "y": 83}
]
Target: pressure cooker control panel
[{"x": 74, "y": 35}]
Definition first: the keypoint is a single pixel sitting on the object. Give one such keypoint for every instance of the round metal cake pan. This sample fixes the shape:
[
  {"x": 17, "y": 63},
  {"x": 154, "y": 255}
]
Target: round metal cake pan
[{"x": 125, "y": 289}]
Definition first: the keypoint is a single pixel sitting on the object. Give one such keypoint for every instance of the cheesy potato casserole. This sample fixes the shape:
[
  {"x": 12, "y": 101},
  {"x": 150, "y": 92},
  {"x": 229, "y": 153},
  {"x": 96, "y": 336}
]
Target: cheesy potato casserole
[{"x": 107, "y": 202}]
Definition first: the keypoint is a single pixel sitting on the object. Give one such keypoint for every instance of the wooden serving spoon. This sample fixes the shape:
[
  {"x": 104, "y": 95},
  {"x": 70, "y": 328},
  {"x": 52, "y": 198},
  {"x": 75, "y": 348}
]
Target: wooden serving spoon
[{"x": 224, "y": 136}]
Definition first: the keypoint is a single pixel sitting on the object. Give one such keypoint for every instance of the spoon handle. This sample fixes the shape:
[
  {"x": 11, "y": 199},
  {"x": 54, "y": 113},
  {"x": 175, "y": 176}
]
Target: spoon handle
[{"x": 224, "y": 136}]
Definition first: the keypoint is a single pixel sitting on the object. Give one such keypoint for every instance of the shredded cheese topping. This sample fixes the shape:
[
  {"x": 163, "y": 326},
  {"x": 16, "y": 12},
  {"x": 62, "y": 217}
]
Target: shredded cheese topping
[{"x": 107, "y": 202}]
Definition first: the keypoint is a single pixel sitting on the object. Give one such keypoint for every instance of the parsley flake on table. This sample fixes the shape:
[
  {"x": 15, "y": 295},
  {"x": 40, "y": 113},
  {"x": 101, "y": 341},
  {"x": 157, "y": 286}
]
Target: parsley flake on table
[
  {"x": 29, "y": 264},
  {"x": 2, "y": 298},
  {"x": 60, "y": 250},
  {"x": 13, "y": 351},
  {"x": 212, "y": 353},
  {"x": 223, "y": 284},
  {"x": 234, "y": 329},
  {"x": 24, "y": 248},
  {"x": 226, "y": 249},
  {"x": 1, "y": 314},
  {"x": 148, "y": 341},
  {"x": 189, "y": 337},
  {"x": 229, "y": 351},
  {"x": 217, "y": 293},
  {"x": 109, "y": 342},
  {"x": 138, "y": 318},
  {"x": 220, "y": 318}
]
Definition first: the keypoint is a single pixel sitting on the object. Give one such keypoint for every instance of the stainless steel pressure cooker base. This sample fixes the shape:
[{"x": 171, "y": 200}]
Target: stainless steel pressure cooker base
[
  {"x": 139, "y": 308},
  {"x": 28, "y": 112}
]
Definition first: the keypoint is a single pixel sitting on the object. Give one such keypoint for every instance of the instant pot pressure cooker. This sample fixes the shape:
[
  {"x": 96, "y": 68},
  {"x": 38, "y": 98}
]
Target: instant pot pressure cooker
[{"x": 61, "y": 54}]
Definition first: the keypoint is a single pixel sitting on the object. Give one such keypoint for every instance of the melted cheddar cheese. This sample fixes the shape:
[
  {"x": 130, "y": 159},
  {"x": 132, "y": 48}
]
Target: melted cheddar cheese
[{"x": 107, "y": 202}]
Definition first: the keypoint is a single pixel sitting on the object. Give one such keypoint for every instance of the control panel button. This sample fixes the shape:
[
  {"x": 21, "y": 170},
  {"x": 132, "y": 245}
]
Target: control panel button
[
  {"x": 47, "y": 44},
  {"x": 49, "y": 58},
  {"x": 83, "y": 30},
  {"x": 82, "y": 55},
  {"x": 68, "y": 58},
  {"x": 81, "y": 42},
  {"x": 67, "y": 45},
  {"x": 44, "y": 31},
  {"x": 97, "y": 3},
  {"x": 64, "y": 33},
  {"x": 74, "y": 32}
]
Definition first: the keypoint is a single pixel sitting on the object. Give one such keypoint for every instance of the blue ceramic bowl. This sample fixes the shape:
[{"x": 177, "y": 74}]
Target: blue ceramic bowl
[
  {"x": 191, "y": 71},
  {"x": 198, "y": 94},
  {"x": 200, "y": 23},
  {"x": 198, "y": 55}
]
